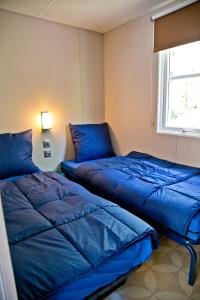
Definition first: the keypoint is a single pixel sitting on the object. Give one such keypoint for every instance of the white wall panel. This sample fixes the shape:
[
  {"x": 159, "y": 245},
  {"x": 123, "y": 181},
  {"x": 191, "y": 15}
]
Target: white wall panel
[
  {"x": 130, "y": 95},
  {"x": 41, "y": 69}
]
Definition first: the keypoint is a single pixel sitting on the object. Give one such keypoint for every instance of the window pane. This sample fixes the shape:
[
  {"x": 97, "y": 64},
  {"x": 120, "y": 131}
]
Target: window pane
[
  {"x": 185, "y": 59},
  {"x": 184, "y": 103}
]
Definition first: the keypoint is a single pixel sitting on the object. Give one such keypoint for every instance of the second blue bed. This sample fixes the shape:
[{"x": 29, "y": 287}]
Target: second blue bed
[{"x": 166, "y": 192}]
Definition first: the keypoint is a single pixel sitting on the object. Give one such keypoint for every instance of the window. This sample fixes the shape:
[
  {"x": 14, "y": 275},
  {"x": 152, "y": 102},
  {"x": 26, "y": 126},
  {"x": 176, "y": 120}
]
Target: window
[{"x": 179, "y": 90}]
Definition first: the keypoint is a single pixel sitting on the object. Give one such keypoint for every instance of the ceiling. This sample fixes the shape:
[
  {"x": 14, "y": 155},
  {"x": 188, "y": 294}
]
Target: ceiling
[{"x": 97, "y": 15}]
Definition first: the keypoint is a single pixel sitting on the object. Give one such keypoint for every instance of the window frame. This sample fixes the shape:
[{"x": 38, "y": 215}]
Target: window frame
[{"x": 162, "y": 99}]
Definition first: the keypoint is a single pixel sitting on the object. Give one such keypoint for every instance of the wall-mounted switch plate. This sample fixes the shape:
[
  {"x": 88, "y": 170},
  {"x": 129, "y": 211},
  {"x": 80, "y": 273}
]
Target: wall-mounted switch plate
[
  {"x": 46, "y": 144},
  {"x": 47, "y": 153}
]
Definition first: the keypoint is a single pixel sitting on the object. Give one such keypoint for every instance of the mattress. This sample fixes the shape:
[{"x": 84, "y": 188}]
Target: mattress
[
  {"x": 66, "y": 243},
  {"x": 165, "y": 192}
]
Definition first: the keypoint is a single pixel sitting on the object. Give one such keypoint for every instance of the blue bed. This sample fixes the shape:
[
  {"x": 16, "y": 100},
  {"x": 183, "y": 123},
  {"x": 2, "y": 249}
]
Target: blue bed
[
  {"x": 65, "y": 242},
  {"x": 164, "y": 192}
]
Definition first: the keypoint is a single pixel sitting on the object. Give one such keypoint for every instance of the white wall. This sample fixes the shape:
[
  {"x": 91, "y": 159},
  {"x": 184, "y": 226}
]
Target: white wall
[
  {"x": 130, "y": 95},
  {"x": 48, "y": 66},
  {"x": 54, "y": 67}
]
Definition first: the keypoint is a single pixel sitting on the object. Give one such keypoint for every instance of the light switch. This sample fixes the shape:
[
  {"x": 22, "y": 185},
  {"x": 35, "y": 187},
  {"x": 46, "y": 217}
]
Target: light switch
[{"x": 46, "y": 144}]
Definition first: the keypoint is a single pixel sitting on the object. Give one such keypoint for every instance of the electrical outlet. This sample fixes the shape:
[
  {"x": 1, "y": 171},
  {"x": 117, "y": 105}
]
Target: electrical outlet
[
  {"x": 47, "y": 153},
  {"x": 46, "y": 144}
]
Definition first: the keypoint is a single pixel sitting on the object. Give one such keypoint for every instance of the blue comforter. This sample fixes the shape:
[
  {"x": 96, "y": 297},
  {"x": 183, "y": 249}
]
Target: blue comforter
[
  {"x": 166, "y": 192},
  {"x": 59, "y": 232}
]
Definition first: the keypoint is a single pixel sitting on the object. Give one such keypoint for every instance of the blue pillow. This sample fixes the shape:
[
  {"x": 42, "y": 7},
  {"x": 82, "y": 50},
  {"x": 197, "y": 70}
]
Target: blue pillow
[
  {"x": 16, "y": 154},
  {"x": 91, "y": 141}
]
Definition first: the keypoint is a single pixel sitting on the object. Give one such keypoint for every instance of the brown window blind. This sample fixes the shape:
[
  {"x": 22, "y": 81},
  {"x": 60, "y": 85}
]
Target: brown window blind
[{"x": 177, "y": 28}]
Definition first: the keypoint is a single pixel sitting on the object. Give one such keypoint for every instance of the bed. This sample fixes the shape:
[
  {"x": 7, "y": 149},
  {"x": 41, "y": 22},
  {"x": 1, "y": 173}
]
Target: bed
[
  {"x": 165, "y": 194},
  {"x": 65, "y": 243}
]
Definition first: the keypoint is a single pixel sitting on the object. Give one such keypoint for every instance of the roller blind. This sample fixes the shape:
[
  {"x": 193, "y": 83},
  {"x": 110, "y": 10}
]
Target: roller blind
[{"x": 177, "y": 28}]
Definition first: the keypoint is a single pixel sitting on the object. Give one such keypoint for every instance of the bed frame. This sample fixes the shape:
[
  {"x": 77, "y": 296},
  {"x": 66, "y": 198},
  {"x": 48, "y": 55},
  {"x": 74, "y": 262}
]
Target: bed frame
[
  {"x": 108, "y": 289},
  {"x": 181, "y": 241},
  {"x": 186, "y": 243}
]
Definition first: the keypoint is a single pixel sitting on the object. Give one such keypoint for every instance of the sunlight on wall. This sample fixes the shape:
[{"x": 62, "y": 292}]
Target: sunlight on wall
[{"x": 55, "y": 68}]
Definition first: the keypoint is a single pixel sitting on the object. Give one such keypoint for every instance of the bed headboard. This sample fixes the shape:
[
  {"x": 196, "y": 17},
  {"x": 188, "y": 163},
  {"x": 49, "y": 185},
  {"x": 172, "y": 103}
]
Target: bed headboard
[{"x": 7, "y": 281}]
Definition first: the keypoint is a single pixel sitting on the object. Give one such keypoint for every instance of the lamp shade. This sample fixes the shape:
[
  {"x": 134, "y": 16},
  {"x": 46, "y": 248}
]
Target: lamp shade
[{"x": 46, "y": 120}]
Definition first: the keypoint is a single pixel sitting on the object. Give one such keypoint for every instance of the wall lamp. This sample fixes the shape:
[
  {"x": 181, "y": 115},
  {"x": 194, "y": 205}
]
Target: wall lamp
[{"x": 46, "y": 120}]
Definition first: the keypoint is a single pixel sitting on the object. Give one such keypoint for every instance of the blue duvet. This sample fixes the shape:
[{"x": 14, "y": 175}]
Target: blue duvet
[
  {"x": 63, "y": 238},
  {"x": 166, "y": 192}
]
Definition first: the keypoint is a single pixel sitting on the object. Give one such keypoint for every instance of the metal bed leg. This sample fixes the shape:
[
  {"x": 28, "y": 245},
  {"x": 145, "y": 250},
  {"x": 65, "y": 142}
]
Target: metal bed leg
[
  {"x": 193, "y": 263},
  {"x": 193, "y": 256}
]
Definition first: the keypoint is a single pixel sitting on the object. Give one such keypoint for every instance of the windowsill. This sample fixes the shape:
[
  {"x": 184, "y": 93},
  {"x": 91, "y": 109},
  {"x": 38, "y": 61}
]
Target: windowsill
[{"x": 178, "y": 133}]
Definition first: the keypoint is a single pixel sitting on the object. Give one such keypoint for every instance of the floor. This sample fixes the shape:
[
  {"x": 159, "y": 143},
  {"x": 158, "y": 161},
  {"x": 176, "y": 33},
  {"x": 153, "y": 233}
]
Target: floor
[{"x": 163, "y": 277}]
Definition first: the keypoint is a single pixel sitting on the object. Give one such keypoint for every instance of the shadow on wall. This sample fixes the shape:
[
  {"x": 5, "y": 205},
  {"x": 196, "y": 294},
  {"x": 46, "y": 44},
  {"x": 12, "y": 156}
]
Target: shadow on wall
[
  {"x": 115, "y": 143},
  {"x": 69, "y": 153}
]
